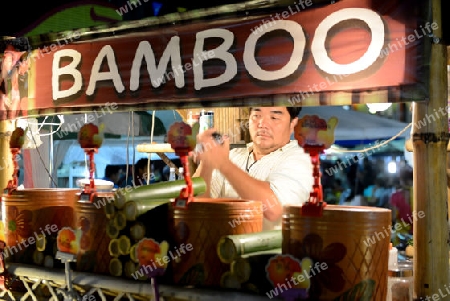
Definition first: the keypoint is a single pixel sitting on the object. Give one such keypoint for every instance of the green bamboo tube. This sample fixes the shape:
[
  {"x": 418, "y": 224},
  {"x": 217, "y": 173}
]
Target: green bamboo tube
[
  {"x": 265, "y": 252},
  {"x": 119, "y": 202},
  {"x": 133, "y": 209},
  {"x": 41, "y": 242},
  {"x": 230, "y": 247},
  {"x": 113, "y": 247},
  {"x": 49, "y": 261},
  {"x": 124, "y": 245},
  {"x": 115, "y": 267},
  {"x": 130, "y": 268},
  {"x": 38, "y": 257},
  {"x": 228, "y": 280},
  {"x": 161, "y": 190},
  {"x": 133, "y": 253},
  {"x": 110, "y": 210},
  {"x": 242, "y": 266},
  {"x": 111, "y": 229},
  {"x": 120, "y": 220},
  {"x": 137, "y": 231}
]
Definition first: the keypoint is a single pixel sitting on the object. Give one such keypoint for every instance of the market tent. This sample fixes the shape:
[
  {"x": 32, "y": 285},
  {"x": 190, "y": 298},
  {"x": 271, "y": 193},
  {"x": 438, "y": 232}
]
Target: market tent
[
  {"x": 121, "y": 138},
  {"x": 115, "y": 125},
  {"x": 358, "y": 128},
  {"x": 120, "y": 150},
  {"x": 113, "y": 151}
]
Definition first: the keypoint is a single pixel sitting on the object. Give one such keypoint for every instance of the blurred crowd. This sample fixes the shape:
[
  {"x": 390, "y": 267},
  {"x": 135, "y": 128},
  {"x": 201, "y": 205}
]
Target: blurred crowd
[{"x": 366, "y": 183}]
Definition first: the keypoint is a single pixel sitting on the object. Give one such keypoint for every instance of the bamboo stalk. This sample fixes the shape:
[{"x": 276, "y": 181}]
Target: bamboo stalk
[
  {"x": 230, "y": 247},
  {"x": 38, "y": 257},
  {"x": 431, "y": 256},
  {"x": 113, "y": 248},
  {"x": 133, "y": 253},
  {"x": 243, "y": 266},
  {"x": 161, "y": 190},
  {"x": 40, "y": 242},
  {"x": 134, "y": 209},
  {"x": 49, "y": 261},
  {"x": 240, "y": 267},
  {"x": 120, "y": 220},
  {"x": 124, "y": 245},
  {"x": 137, "y": 231},
  {"x": 265, "y": 252},
  {"x": 111, "y": 229},
  {"x": 110, "y": 210},
  {"x": 115, "y": 267},
  {"x": 130, "y": 268},
  {"x": 228, "y": 280},
  {"x": 119, "y": 201}
]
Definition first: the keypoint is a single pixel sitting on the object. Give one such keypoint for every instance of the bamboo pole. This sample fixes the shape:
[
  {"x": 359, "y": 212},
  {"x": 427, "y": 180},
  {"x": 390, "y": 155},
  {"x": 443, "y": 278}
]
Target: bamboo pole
[
  {"x": 431, "y": 255},
  {"x": 111, "y": 229},
  {"x": 110, "y": 210},
  {"x": 230, "y": 247},
  {"x": 133, "y": 253},
  {"x": 120, "y": 220},
  {"x": 113, "y": 247},
  {"x": 115, "y": 267},
  {"x": 133, "y": 209},
  {"x": 228, "y": 280},
  {"x": 124, "y": 245},
  {"x": 161, "y": 190},
  {"x": 137, "y": 231}
]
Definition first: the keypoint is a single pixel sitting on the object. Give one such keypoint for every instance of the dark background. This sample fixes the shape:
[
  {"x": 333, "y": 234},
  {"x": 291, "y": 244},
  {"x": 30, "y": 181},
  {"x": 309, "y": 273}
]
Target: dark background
[{"x": 18, "y": 15}]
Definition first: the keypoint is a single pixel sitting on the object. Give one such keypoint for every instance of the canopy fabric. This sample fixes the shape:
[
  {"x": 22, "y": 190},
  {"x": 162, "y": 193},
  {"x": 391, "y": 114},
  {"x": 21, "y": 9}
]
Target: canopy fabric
[
  {"x": 117, "y": 123},
  {"x": 358, "y": 128}
]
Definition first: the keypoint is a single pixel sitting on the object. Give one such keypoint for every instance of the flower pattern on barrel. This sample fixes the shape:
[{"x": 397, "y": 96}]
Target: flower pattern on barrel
[
  {"x": 19, "y": 225},
  {"x": 330, "y": 278}
]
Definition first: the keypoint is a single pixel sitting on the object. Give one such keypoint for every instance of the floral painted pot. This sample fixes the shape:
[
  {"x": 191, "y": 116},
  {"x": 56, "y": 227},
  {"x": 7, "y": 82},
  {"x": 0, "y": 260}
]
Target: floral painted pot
[
  {"x": 29, "y": 215},
  {"x": 200, "y": 227},
  {"x": 348, "y": 247}
]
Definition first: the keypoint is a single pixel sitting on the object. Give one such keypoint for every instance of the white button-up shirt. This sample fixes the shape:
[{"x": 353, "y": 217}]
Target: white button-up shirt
[{"x": 288, "y": 170}]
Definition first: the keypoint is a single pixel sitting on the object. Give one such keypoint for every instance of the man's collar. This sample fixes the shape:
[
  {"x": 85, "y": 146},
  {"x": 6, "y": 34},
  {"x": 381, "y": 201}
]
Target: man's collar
[{"x": 287, "y": 145}]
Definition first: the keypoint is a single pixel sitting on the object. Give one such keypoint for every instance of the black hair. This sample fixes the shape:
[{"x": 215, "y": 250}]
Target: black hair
[
  {"x": 141, "y": 163},
  {"x": 111, "y": 169},
  {"x": 293, "y": 111}
]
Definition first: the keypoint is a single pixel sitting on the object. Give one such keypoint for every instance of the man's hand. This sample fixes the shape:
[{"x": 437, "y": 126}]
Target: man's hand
[{"x": 213, "y": 152}]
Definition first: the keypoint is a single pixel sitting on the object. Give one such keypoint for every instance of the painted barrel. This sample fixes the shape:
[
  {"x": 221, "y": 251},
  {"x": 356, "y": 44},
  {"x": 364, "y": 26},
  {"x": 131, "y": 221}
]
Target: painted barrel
[
  {"x": 196, "y": 232},
  {"x": 91, "y": 223},
  {"x": 29, "y": 215},
  {"x": 349, "y": 249}
]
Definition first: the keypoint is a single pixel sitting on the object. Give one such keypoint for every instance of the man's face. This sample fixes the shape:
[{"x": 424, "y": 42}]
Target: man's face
[{"x": 270, "y": 127}]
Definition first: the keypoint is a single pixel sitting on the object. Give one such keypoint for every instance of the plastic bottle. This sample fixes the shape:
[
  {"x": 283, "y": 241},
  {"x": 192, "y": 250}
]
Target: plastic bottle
[
  {"x": 172, "y": 176},
  {"x": 180, "y": 175},
  {"x": 393, "y": 257},
  {"x": 400, "y": 283}
]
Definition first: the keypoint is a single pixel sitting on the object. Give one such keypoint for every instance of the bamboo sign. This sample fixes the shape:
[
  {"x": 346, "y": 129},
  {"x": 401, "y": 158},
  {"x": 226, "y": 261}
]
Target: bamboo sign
[{"x": 152, "y": 67}]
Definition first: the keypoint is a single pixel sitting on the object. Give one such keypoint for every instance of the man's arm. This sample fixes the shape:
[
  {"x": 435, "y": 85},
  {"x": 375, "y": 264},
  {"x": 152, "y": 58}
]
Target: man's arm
[
  {"x": 216, "y": 156},
  {"x": 250, "y": 188},
  {"x": 205, "y": 173}
]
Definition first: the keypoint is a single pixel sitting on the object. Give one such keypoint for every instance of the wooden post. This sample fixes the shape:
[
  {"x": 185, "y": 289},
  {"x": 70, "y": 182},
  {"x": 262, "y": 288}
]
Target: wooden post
[
  {"x": 431, "y": 235},
  {"x": 5, "y": 153}
]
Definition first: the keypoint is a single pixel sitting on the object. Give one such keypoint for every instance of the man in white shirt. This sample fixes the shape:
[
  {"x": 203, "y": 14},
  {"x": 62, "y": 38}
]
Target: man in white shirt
[{"x": 271, "y": 169}]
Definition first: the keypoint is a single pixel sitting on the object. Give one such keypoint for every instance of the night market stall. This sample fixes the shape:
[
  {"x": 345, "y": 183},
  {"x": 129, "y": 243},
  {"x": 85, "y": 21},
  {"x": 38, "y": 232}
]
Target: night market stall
[{"x": 222, "y": 60}]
